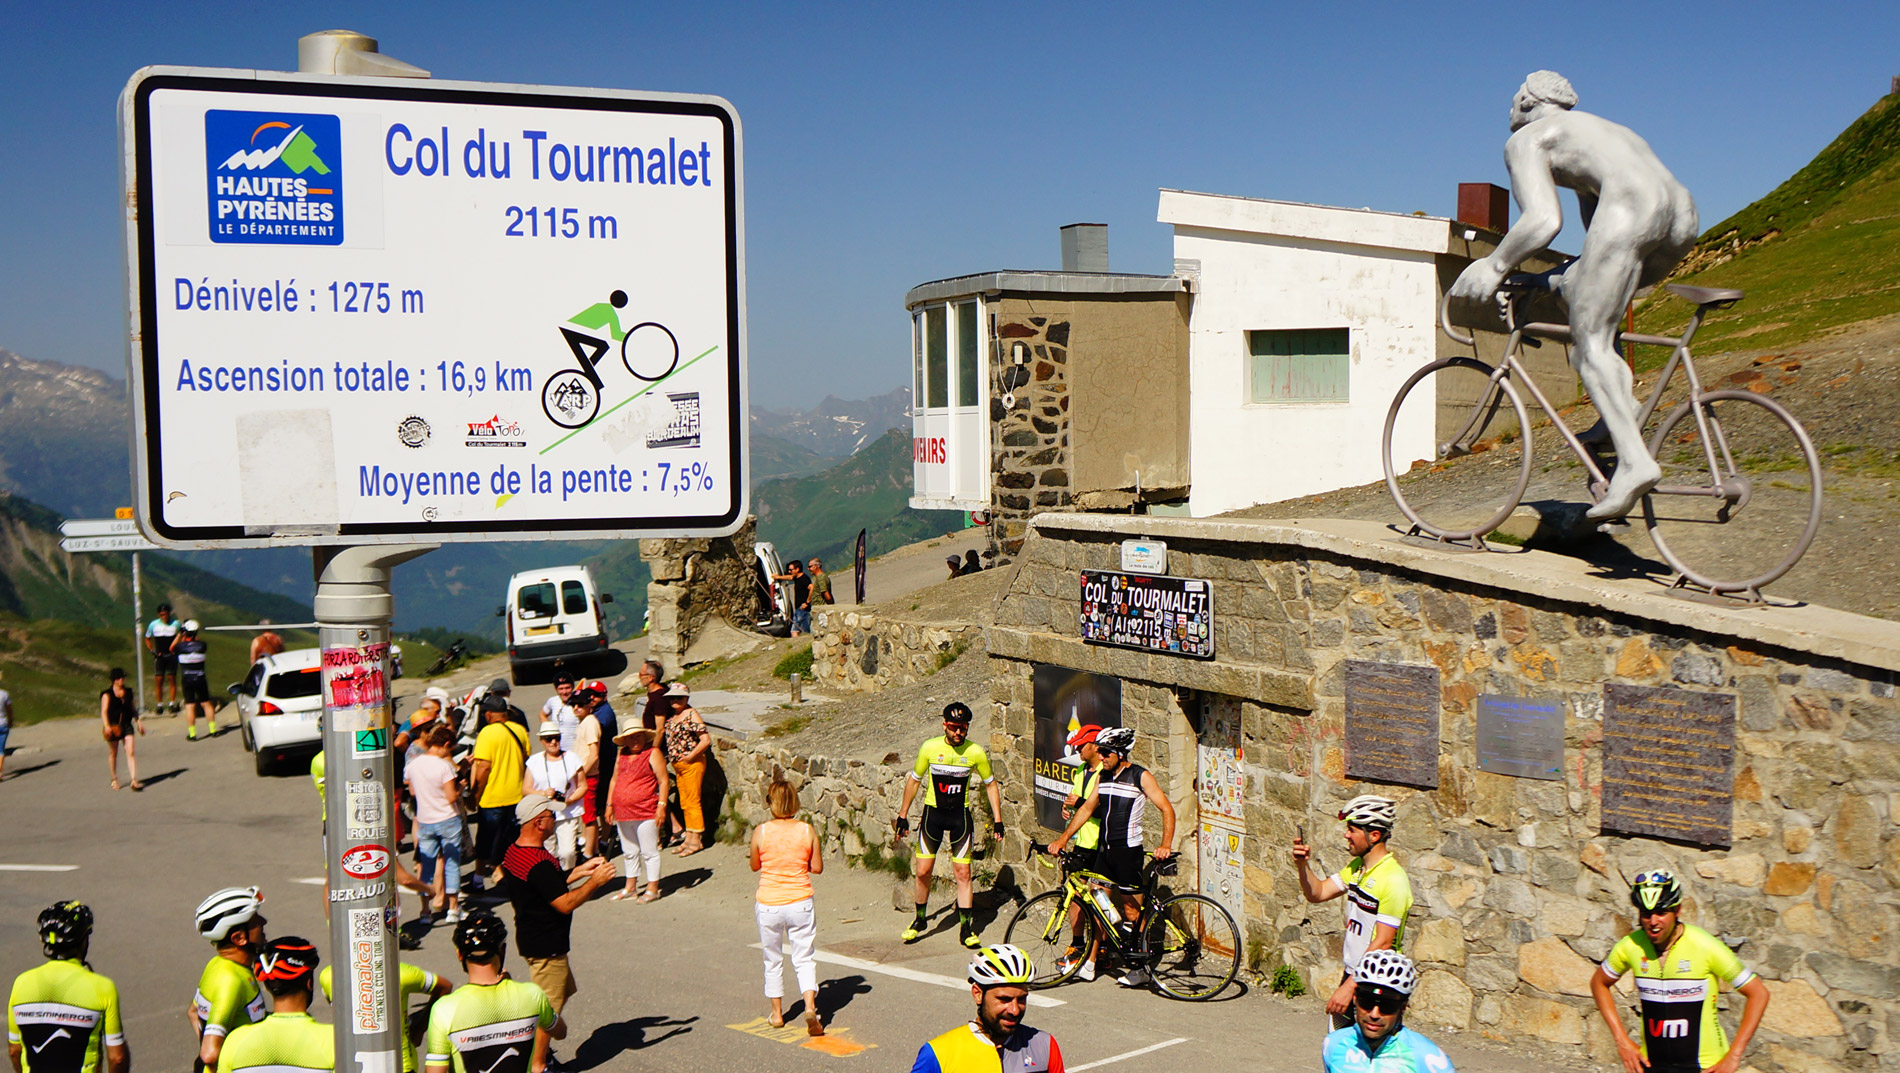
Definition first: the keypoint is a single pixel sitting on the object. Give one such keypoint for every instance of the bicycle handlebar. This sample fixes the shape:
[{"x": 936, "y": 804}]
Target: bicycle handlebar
[{"x": 1444, "y": 324}]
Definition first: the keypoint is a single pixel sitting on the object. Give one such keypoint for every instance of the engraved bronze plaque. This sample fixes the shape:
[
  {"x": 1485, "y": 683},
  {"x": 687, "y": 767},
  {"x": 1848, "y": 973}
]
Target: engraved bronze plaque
[
  {"x": 1392, "y": 722},
  {"x": 1668, "y": 763}
]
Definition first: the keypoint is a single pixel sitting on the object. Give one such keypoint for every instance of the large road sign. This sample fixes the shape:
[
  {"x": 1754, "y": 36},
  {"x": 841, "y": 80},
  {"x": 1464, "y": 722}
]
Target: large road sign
[{"x": 371, "y": 311}]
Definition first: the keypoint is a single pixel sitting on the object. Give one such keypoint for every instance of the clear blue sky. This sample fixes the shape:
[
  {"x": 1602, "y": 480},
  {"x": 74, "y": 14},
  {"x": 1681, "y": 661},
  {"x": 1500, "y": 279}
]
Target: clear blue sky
[{"x": 893, "y": 144}]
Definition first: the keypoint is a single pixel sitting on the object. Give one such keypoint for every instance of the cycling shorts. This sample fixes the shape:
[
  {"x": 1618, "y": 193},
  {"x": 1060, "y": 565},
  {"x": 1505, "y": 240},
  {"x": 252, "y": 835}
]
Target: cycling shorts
[
  {"x": 1120, "y": 865},
  {"x": 953, "y": 829},
  {"x": 164, "y": 664},
  {"x": 197, "y": 690}
]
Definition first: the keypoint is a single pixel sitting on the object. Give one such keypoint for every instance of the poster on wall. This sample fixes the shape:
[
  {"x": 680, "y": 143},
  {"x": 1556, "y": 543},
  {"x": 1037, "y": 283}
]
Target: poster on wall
[
  {"x": 1668, "y": 763},
  {"x": 1223, "y": 876},
  {"x": 1220, "y": 782},
  {"x": 1066, "y": 701}
]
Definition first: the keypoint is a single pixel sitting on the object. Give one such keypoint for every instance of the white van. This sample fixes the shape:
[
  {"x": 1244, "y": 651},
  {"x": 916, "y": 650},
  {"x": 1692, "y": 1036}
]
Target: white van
[{"x": 554, "y": 614}]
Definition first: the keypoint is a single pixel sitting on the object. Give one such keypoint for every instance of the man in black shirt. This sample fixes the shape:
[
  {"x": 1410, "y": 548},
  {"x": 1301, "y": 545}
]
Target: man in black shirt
[
  {"x": 544, "y": 905},
  {"x": 189, "y": 652},
  {"x": 801, "y": 596}
]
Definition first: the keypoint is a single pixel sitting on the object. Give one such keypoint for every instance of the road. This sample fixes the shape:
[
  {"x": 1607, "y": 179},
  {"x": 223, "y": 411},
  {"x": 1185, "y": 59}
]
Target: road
[{"x": 674, "y": 985}]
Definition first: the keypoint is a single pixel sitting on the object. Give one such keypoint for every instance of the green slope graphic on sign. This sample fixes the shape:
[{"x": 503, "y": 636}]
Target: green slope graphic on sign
[{"x": 301, "y": 156}]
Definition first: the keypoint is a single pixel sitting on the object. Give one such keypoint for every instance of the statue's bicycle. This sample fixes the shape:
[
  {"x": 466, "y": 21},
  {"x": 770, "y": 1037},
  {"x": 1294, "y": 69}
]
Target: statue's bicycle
[{"x": 1740, "y": 496}]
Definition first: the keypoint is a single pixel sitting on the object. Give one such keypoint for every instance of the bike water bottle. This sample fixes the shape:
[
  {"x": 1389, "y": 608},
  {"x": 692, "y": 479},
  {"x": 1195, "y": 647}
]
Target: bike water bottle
[{"x": 1102, "y": 901}]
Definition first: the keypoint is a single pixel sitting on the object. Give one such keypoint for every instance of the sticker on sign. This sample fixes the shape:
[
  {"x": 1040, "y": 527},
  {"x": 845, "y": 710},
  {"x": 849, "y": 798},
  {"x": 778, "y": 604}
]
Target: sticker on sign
[
  {"x": 540, "y": 293},
  {"x": 365, "y": 862}
]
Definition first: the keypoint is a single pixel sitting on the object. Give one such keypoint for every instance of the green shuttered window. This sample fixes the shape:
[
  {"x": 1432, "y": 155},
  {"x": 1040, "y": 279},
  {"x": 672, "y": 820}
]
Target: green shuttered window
[{"x": 1299, "y": 365}]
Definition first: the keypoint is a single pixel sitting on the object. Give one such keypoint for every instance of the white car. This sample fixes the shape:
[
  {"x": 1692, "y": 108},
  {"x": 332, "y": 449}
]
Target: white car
[{"x": 279, "y": 707}]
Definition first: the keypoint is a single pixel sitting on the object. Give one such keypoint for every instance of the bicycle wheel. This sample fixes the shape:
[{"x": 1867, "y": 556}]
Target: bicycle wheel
[
  {"x": 1193, "y": 947},
  {"x": 650, "y": 351},
  {"x": 1456, "y": 449},
  {"x": 1740, "y": 496},
  {"x": 1041, "y": 928}
]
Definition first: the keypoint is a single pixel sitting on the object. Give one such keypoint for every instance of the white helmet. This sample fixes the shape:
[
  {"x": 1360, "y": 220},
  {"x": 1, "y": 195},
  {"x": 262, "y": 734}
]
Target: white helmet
[
  {"x": 228, "y": 909},
  {"x": 1116, "y": 740},
  {"x": 1000, "y": 965},
  {"x": 190, "y": 626},
  {"x": 1387, "y": 968},
  {"x": 1369, "y": 810}
]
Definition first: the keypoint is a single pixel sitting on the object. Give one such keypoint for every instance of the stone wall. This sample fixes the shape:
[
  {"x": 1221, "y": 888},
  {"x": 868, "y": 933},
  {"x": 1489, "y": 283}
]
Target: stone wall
[
  {"x": 851, "y": 802},
  {"x": 1519, "y": 890},
  {"x": 695, "y": 578},
  {"x": 1029, "y": 437},
  {"x": 863, "y": 651}
]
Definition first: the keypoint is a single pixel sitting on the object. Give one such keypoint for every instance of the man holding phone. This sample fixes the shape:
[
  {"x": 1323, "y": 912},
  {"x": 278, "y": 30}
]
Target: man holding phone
[{"x": 1378, "y": 892}]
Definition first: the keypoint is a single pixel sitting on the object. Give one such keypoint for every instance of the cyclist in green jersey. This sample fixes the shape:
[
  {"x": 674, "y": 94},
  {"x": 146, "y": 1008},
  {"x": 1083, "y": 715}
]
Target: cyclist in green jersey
[
  {"x": 412, "y": 980},
  {"x": 227, "y": 995},
  {"x": 1378, "y": 893},
  {"x": 948, "y": 762},
  {"x": 61, "y": 1014},
  {"x": 492, "y": 1024},
  {"x": 1082, "y": 788},
  {"x": 289, "y": 1039},
  {"x": 1677, "y": 967}
]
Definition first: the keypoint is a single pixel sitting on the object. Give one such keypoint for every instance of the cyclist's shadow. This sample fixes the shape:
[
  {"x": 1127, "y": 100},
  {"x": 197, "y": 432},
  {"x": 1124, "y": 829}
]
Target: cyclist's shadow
[{"x": 614, "y": 1039}]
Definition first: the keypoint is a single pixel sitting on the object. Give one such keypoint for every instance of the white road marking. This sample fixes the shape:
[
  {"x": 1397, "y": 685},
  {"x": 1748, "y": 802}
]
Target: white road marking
[
  {"x": 1130, "y": 1054},
  {"x": 38, "y": 867},
  {"x": 315, "y": 881},
  {"x": 1035, "y": 999}
]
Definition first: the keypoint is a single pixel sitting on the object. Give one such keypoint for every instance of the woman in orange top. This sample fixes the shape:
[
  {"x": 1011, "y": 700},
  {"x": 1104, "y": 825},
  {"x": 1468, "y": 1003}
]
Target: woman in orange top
[{"x": 786, "y": 854}]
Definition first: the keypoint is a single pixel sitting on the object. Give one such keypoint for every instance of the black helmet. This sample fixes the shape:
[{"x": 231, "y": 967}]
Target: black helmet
[
  {"x": 287, "y": 962},
  {"x": 481, "y": 933},
  {"x": 957, "y": 712},
  {"x": 1655, "y": 891},
  {"x": 65, "y": 927}
]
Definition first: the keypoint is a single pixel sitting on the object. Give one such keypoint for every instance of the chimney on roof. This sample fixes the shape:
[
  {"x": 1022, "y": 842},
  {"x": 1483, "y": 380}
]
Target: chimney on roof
[
  {"x": 1085, "y": 248},
  {"x": 1485, "y": 205},
  {"x": 1894, "y": 87}
]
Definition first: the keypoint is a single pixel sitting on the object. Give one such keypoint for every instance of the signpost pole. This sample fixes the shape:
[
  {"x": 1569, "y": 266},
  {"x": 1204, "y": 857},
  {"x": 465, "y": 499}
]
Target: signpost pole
[
  {"x": 138, "y": 630},
  {"x": 354, "y": 607}
]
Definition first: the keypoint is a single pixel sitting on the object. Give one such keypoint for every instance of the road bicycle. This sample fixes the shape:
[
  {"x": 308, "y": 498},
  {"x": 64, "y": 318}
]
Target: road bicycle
[
  {"x": 1186, "y": 943},
  {"x": 450, "y": 657},
  {"x": 1740, "y": 496}
]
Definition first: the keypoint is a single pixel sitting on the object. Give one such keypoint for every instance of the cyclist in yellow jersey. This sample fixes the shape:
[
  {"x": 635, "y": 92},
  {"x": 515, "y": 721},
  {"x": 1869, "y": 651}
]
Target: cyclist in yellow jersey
[
  {"x": 62, "y": 1014},
  {"x": 1081, "y": 788},
  {"x": 1377, "y": 891},
  {"x": 412, "y": 980},
  {"x": 227, "y": 996},
  {"x": 948, "y": 763},
  {"x": 289, "y": 1039},
  {"x": 492, "y": 1024},
  {"x": 1677, "y": 967}
]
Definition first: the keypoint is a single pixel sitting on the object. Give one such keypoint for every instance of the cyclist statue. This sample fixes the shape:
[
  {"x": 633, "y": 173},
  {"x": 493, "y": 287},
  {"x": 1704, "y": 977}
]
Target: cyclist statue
[{"x": 1639, "y": 222}]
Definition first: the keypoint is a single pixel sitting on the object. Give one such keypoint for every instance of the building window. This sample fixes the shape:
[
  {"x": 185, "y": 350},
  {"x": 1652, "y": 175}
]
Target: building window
[
  {"x": 967, "y": 363},
  {"x": 1299, "y": 365},
  {"x": 917, "y": 362},
  {"x": 936, "y": 358}
]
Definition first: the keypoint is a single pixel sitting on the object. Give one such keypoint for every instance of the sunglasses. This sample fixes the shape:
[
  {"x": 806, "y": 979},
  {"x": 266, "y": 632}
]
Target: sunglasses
[{"x": 1367, "y": 998}]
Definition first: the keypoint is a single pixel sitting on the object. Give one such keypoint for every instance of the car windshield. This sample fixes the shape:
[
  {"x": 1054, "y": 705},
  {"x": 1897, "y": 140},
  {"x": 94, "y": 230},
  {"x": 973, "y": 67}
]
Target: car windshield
[
  {"x": 536, "y": 601},
  {"x": 573, "y": 598},
  {"x": 294, "y": 685}
]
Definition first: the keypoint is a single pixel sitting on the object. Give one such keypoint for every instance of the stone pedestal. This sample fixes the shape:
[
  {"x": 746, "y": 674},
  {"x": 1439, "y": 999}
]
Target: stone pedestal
[{"x": 695, "y": 578}]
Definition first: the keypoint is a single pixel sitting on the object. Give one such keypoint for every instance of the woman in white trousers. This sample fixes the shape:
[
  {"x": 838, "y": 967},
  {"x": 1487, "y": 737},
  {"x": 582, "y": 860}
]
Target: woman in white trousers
[{"x": 786, "y": 854}]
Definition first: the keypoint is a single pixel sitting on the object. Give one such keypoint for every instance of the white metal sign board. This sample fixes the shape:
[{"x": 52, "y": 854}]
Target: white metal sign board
[
  {"x": 134, "y": 542},
  {"x": 380, "y": 310}
]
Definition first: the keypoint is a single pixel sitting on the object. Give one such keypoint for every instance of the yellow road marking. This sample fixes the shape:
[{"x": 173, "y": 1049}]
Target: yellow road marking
[{"x": 832, "y": 1042}]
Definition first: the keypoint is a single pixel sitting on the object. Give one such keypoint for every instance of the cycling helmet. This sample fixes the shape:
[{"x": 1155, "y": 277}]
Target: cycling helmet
[
  {"x": 1369, "y": 810},
  {"x": 1388, "y": 969},
  {"x": 957, "y": 712},
  {"x": 995, "y": 966},
  {"x": 64, "y": 927},
  {"x": 288, "y": 960},
  {"x": 1115, "y": 740},
  {"x": 190, "y": 626},
  {"x": 481, "y": 933},
  {"x": 1655, "y": 891},
  {"x": 230, "y": 908}
]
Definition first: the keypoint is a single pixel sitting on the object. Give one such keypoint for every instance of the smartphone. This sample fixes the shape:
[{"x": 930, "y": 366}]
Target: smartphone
[{"x": 1302, "y": 832}]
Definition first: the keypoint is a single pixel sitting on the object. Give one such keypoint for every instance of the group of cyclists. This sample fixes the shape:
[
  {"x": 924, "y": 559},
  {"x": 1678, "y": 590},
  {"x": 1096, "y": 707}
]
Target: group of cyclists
[{"x": 251, "y": 1006}]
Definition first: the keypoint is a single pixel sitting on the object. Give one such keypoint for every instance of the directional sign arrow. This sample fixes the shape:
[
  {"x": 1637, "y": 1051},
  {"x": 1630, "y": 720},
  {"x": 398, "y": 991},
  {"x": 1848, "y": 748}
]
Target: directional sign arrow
[
  {"x": 98, "y": 527},
  {"x": 132, "y": 542}
]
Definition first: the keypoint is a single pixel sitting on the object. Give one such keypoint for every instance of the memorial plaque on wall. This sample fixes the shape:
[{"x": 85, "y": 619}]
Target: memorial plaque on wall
[
  {"x": 1392, "y": 722},
  {"x": 1066, "y": 701},
  {"x": 1149, "y": 612},
  {"x": 1522, "y": 736},
  {"x": 1668, "y": 763}
]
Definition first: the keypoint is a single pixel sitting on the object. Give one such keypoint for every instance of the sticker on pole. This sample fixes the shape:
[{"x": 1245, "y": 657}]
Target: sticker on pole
[
  {"x": 373, "y": 742},
  {"x": 353, "y": 677},
  {"x": 365, "y": 862},
  {"x": 365, "y": 313},
  {"x": 366, "y": 808},
  {"x": 369, "y": 971}
]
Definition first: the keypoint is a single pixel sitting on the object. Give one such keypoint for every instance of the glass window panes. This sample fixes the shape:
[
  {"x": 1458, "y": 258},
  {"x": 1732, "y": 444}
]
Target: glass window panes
[
  {"x": 936, "y": 358},
  {"x": 573, "y": 598},
  {"x": 967, "y": 363},
  {"x": 537, "y": 600},
  {"x": 1299, "y": 365},
  {"x": 917, "y": 360}
]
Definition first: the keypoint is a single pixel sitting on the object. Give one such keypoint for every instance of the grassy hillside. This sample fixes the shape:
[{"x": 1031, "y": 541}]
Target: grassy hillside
[
  {"x": 1820, "y": 251},
  {"x": 821, "y": 514}
]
